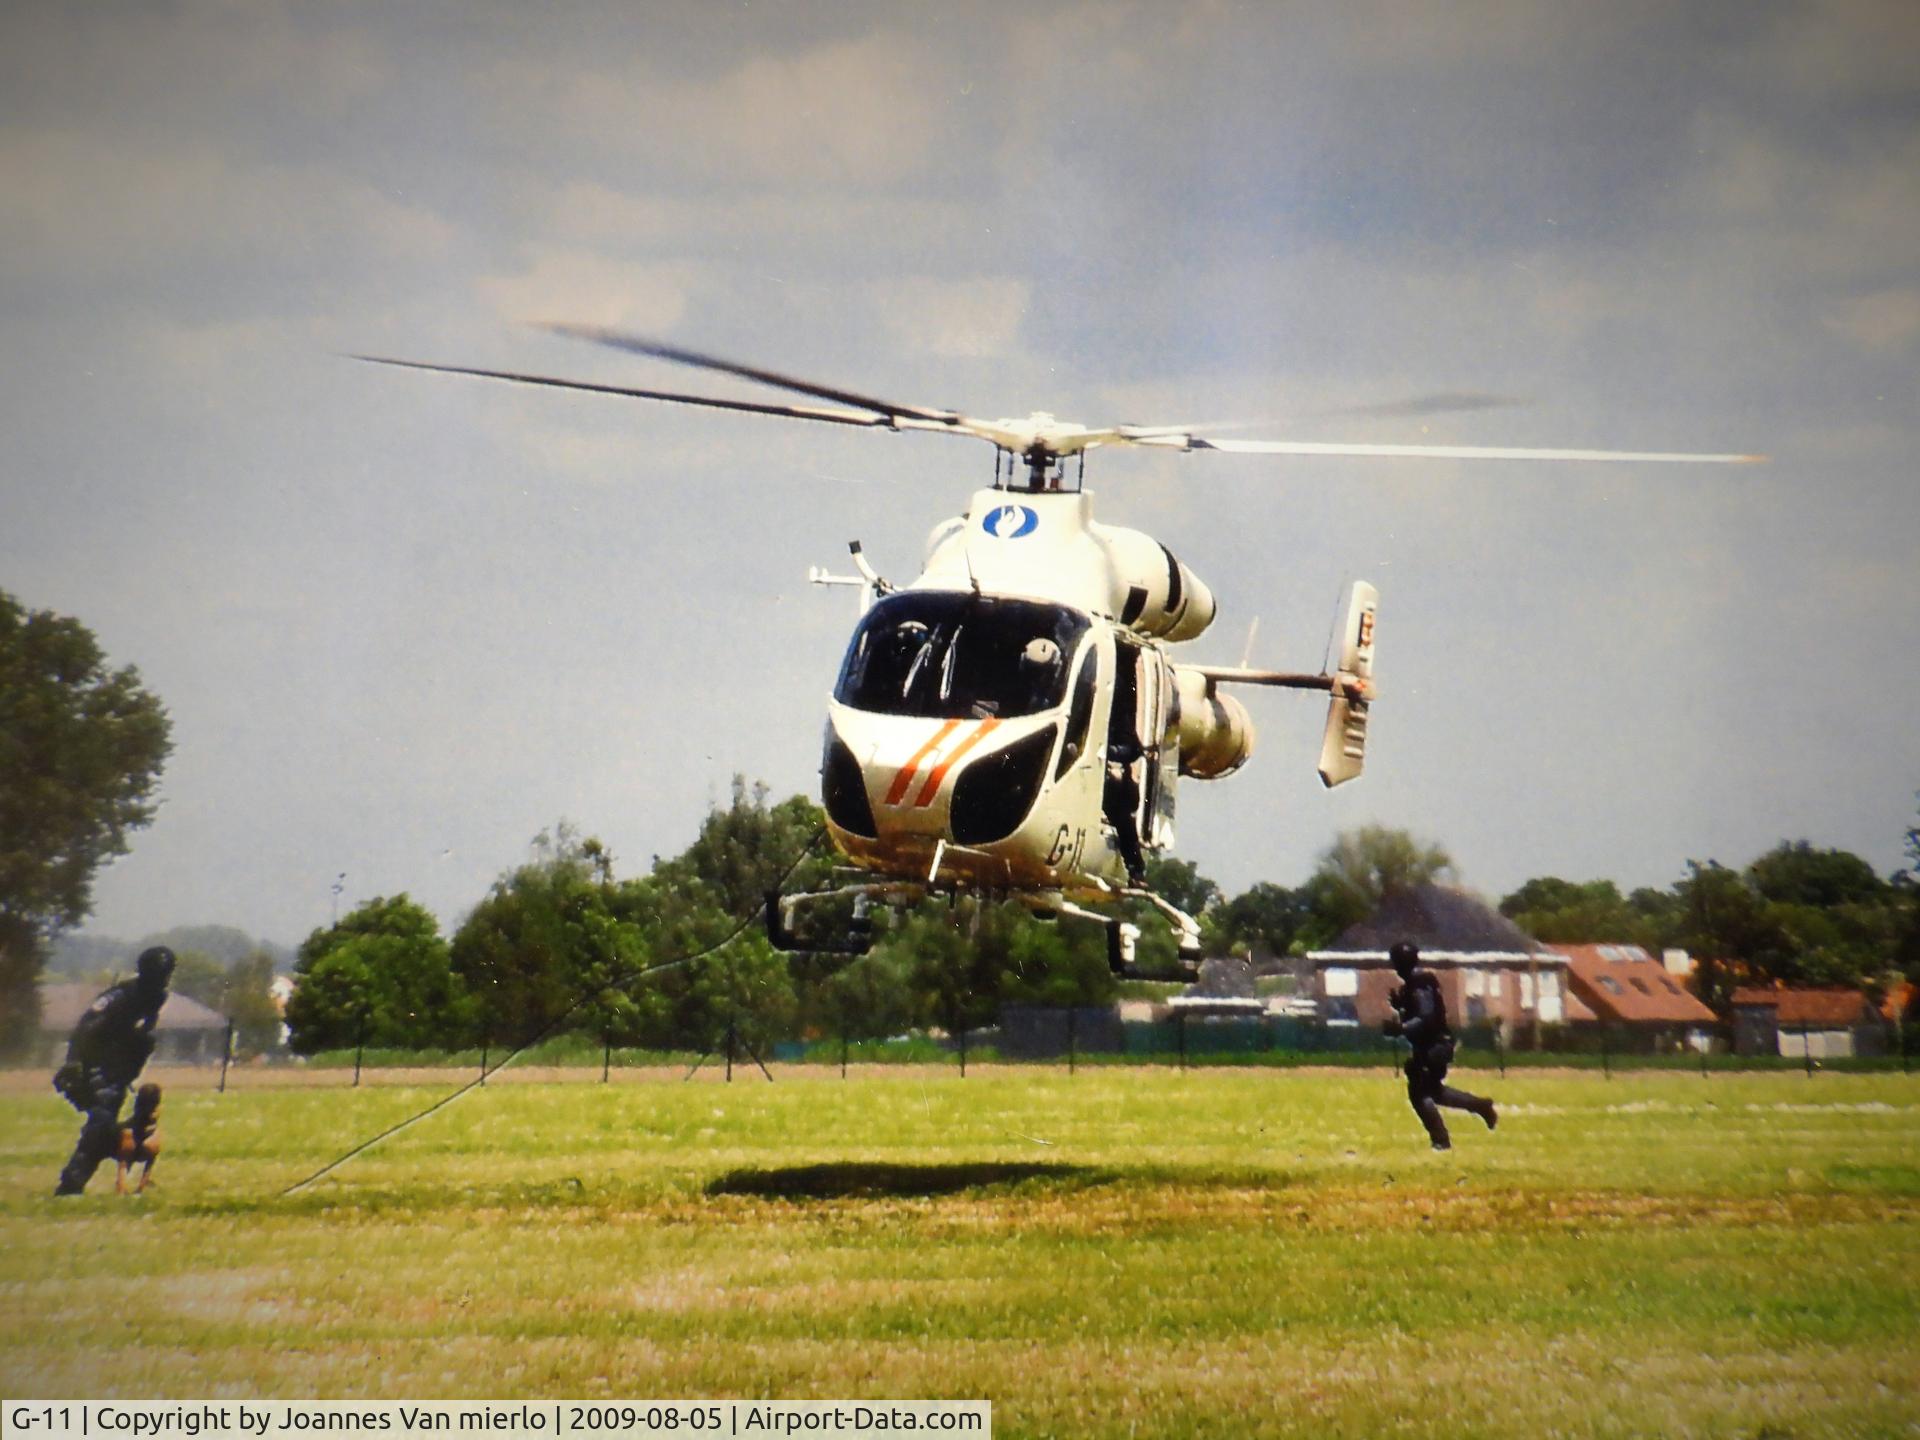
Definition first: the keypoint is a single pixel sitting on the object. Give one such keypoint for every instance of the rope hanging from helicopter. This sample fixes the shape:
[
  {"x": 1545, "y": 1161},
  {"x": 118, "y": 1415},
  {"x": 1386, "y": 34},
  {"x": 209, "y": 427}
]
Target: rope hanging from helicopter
[{"x": 619, "y": 982}]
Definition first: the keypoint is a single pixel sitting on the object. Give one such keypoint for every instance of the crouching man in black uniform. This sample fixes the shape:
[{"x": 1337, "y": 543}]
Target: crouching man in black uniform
[
  {"x": 1420, "y": 1014},
  {"x": 109, "y": 1047}
]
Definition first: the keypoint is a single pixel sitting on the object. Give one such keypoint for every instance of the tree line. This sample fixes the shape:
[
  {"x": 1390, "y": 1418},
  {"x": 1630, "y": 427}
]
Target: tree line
[
  {"x": 561, "y": 942},
  {"x": 557, "y": 939}
]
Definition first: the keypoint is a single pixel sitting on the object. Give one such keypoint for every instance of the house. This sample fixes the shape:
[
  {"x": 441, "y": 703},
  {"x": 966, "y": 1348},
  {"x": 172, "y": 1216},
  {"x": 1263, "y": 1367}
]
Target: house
[
  {"x": 1814, "y": 1024},
  {"x": 1490, "y": 970},
  {"x": 188, "y": 1033},
  {"x": 1637, "y": 998}
]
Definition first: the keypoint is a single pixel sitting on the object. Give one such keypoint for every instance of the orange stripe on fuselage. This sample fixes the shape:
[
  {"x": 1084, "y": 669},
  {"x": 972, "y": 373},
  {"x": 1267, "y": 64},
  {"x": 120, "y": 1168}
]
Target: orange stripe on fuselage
[
  {"x": 932, "y": 787},
  {"x": 898, "y": 791}
]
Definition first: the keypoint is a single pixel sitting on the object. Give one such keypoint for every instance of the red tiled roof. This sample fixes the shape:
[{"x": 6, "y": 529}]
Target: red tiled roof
[
  {"x": 1623, "y": 982},
  {"x": 1833, "y": 1007}
]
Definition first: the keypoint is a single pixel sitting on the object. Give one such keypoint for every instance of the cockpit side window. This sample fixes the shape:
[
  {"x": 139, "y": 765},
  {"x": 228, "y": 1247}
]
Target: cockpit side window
[
  {"x": 1080, "y": 712},
  {"x": 953, "y": 655}
]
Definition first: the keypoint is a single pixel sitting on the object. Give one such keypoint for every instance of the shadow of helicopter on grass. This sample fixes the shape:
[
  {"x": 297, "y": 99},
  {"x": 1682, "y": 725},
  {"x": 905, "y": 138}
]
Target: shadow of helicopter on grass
[{"x": 883, "y": 1180}]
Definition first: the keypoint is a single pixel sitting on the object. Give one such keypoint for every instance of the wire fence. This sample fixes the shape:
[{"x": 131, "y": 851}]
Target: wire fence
[{"x": 1068, "y": 1039}]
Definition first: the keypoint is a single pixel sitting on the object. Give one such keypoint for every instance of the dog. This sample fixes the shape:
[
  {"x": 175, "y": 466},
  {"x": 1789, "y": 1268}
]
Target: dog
[{"x": 139, "y": 1142}]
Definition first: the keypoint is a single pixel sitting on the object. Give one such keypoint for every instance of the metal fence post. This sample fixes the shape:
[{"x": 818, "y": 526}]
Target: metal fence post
[
  {"x": 1073, "y": 1036},
  {"x": 359, "y": 1048},
  {"x": 1806, "y": 1052},
  {"x": 226, "y": 1055}
]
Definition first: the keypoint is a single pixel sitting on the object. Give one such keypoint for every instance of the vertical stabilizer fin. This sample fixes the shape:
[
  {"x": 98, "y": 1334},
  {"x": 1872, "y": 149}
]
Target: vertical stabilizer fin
[{"x": 1343, "y": 748}]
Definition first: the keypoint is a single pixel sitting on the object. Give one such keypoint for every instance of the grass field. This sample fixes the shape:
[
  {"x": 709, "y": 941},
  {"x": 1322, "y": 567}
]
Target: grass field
[{"x": 1121, "y": 1252}]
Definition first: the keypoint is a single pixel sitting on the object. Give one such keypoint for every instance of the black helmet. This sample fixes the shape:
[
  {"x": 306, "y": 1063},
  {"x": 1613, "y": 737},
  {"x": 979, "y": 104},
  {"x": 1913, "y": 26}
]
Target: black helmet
[
  {"x": 155, "y": 967},
  {"x": 1403, "y": 956}
]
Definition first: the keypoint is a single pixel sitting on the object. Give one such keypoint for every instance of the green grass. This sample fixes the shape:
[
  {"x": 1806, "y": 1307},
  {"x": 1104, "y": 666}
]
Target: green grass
[{"x": 1119, "y": 1252}]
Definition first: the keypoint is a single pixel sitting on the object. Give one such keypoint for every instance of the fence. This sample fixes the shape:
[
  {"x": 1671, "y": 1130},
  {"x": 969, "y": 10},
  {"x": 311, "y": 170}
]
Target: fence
[{"x": 1066, "y": 1038}]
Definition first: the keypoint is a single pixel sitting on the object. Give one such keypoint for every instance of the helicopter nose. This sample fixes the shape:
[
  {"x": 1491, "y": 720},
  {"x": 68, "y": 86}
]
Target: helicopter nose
[{"x": 917, "y": 782}]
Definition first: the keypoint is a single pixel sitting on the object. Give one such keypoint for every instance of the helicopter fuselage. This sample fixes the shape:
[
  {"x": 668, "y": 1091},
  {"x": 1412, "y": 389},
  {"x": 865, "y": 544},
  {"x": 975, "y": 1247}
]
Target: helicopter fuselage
[{"x": 1012, "y": 720}]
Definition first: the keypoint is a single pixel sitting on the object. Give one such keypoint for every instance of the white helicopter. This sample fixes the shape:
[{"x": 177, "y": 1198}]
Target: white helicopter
[{"x": 1012, "y": 723}]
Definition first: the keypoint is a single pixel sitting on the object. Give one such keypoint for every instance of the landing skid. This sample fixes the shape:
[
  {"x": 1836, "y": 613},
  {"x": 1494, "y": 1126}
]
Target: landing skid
[
  {"x": 859, "y": 937},
  {"x": 1122, "y": 935}
]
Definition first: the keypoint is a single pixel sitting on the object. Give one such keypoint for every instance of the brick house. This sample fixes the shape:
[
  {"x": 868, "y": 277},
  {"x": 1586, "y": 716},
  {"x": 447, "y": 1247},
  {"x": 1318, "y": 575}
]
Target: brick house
[
  {"x": 1638, "y": 998},
  {"x": 1490, "y": 970}
]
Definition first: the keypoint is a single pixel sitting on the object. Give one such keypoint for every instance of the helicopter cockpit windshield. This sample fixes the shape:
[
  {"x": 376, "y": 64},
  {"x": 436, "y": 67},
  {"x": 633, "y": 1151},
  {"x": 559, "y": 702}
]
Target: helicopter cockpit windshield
[{"x": 951, "y": 655}]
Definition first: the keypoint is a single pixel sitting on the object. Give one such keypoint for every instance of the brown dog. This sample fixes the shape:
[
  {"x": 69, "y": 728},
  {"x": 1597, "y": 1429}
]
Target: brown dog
[{"x": 139, "y": 1142}]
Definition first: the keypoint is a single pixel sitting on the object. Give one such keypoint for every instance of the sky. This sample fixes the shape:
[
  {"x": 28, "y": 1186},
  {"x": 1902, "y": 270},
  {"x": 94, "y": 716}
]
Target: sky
[{"x": 404, "y": 622}]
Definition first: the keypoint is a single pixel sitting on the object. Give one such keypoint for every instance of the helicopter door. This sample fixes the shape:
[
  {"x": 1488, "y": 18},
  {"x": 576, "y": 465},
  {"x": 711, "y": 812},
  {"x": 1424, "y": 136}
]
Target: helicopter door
[
  {"x": 1159, "y": 724},
  {"x": 1125, "y": 797}
]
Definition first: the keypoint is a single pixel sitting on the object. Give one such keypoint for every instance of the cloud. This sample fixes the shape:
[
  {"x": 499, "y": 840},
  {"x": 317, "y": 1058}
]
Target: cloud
[
  {"x": 179, "y": 63},
  {"x": 82, "y": 205},
  {"x": 794, "y": 227},
  {"x": 1840, "y": 48},
  {"x": 1886, "y": 320},
  {"x": 970, "y": 318},
  {"x": 857, "y": 113},
  {"x": 590, "y": 289}
]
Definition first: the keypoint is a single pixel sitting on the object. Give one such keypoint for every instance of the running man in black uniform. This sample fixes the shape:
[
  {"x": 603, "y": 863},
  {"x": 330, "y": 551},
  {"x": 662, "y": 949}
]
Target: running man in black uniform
[
  {"x": 1420, "y": 1015},
  {"x": 109, "y": 1048}
]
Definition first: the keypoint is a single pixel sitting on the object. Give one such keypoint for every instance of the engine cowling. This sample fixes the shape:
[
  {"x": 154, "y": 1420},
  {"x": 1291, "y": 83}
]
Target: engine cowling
[
  {"x": 1161, "y": 597},
  {"x": 1216, "y": 733}
]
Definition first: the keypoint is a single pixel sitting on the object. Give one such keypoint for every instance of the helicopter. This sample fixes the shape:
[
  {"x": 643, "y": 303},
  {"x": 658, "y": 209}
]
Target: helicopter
[{"x": 1013, "y": 722}]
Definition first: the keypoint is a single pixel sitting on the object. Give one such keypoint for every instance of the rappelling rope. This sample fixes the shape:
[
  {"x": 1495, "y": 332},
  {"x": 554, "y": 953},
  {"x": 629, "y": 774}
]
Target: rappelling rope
[{"x": 618, "y": 983}]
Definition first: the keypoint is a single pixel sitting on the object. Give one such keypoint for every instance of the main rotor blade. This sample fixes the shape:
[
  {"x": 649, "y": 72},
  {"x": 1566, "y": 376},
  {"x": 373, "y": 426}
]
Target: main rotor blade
[
  {"x": 640, "y": 345},
  {"x": 1443, "y": 452},
  {"x": 751, "y": 407},
  {"x": 1439, "y": 402}
]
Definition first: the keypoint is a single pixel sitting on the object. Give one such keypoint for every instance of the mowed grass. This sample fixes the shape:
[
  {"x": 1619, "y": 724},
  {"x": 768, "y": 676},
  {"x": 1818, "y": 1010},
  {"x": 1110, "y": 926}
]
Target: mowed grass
[{"x": 1115, "y": 1253}]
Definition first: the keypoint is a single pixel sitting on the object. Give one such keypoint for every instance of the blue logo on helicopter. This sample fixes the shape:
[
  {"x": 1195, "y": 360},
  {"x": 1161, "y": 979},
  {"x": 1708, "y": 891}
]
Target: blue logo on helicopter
[{"x": 1010, "y": 522}]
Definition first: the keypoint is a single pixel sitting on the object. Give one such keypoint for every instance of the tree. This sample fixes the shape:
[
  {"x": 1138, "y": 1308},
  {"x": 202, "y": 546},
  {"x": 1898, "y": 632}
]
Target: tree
[
  {"x": 1723, "y": 922},
  {"x": 1359, "y": 870},
  {"x": 1569, "y": 913},
  {"x": 224, "y": 943},
  {"x": 954, "y": 976},
  {"x": 539, "y": 943},
  {"x": 1265, "y": 916},
  {"x": 745, "y": 990},
  {"x": 1907, "y": 953},
  {"x": 868, "y": 998},
  {"x": 250, "y": 1005},
  {"x": 1056, "y": 964},
  {"x": 1795, "y": 873},
  {"x": 382, "y": 974},
  {"x": 1180, "y": 883},
  {"x": 81, "y": 747},
  {"x": 746, "y": 849}
]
